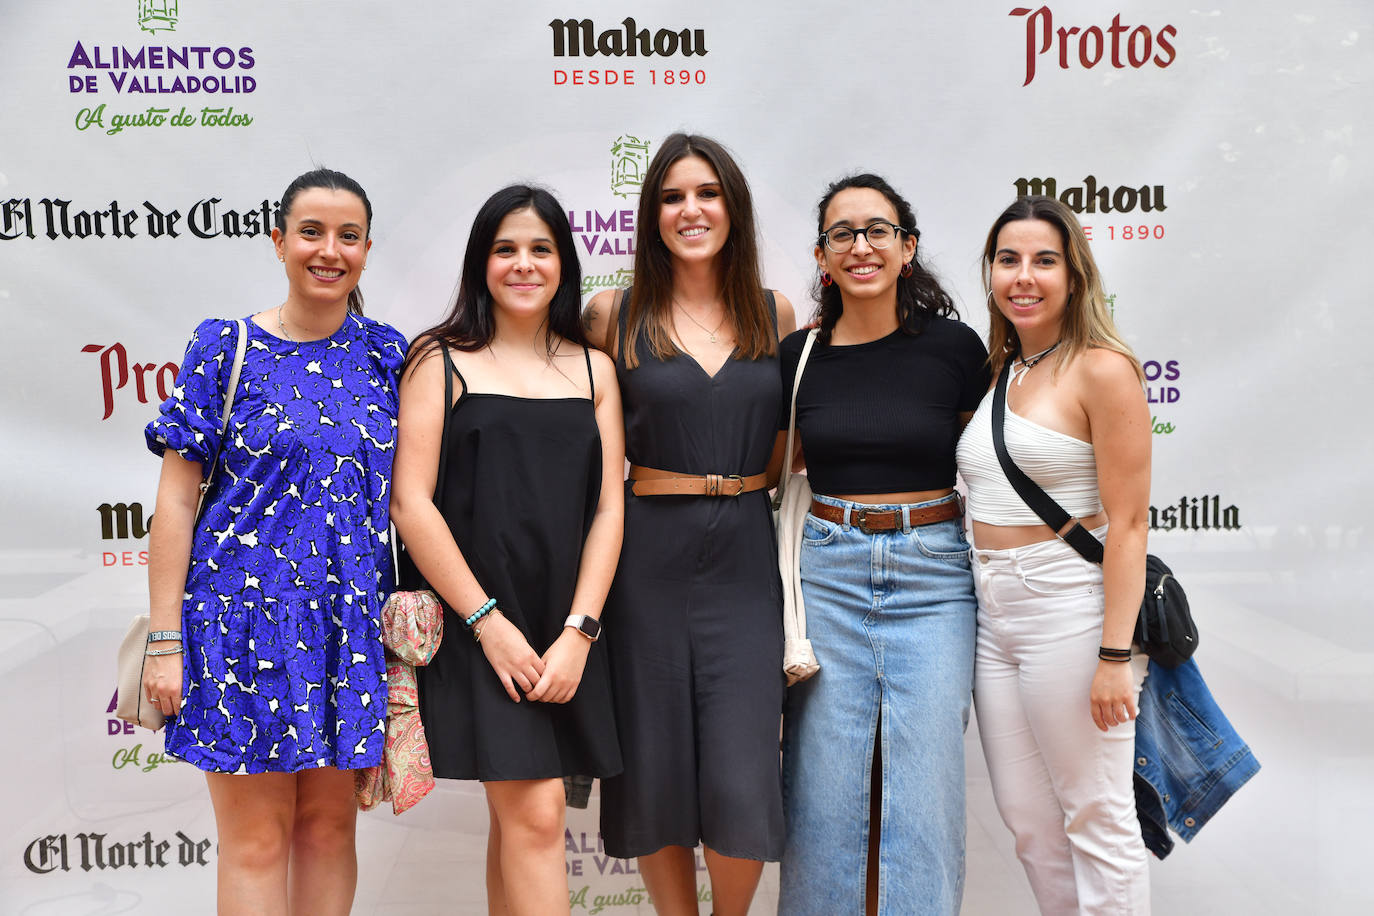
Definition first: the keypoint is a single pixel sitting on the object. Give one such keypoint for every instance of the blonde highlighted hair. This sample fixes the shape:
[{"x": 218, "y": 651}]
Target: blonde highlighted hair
[{"x": 1087, "y": 322}]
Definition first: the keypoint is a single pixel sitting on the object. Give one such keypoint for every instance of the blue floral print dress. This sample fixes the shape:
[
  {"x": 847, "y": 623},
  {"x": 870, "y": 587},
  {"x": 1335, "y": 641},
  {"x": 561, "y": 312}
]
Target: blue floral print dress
[{"x": 290, "y": 560}]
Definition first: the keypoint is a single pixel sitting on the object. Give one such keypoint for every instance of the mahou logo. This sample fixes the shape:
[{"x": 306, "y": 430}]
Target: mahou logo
[
  {"x": 580, "y": 38},
  {"x": 1123, "y": 45},
  {"x": 1090, "y": 197},
  {"x": 123, "y": 522}
]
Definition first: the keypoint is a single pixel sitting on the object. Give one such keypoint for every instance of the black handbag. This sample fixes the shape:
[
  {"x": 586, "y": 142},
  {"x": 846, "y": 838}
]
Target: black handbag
[{"x": 1164, "y": 628}]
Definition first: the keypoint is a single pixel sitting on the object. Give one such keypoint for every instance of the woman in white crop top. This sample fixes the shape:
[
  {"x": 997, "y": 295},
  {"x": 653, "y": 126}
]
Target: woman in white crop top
[{"x": 1055, "y": 709}]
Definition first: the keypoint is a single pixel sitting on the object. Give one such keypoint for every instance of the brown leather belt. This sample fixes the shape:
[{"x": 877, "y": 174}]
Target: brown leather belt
[
  {"x": 652, "y": 482},
  {"x": 871, "y": 520}
]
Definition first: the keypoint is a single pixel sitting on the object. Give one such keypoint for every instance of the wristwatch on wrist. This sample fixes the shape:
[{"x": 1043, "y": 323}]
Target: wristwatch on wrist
[{"x": 589, "y": 627}]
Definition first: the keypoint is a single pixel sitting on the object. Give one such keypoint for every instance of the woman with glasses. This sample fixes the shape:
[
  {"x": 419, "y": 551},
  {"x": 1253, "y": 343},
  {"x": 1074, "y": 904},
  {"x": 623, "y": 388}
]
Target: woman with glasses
[
  {"x": 696, "y": 612},
  {"x": 873, "y": 752}
]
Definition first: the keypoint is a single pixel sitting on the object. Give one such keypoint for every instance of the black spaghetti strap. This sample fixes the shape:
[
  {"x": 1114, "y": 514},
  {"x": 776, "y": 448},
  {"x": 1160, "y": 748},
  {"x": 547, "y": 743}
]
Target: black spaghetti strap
[
  {"x": 587, "y": 355},
  {"x": 772, "y": 309},
  {"x": 450, "y": 371}
]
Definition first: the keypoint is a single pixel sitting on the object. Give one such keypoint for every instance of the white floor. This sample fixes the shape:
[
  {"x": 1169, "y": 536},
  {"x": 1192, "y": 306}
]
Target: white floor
[{"x": 1291, "y": 842}]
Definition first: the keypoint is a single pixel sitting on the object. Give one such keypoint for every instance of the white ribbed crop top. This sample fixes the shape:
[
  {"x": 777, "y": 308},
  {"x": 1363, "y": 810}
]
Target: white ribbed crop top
[{"x": 1064, "y": 466}]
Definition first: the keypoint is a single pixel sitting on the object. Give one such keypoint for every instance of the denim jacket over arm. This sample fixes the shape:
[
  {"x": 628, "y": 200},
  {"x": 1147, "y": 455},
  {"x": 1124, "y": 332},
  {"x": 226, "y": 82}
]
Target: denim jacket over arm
[{"x": 1188, "y": 758}]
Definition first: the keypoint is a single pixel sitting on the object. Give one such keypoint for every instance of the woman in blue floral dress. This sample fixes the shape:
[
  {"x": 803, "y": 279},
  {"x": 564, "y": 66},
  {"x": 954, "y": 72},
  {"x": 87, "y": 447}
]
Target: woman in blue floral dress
[{"x": 266, "y": 648}]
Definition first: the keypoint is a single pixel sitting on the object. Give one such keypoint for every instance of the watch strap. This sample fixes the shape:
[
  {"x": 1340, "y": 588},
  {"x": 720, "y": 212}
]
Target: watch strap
[{"x": 588, "y": 626}]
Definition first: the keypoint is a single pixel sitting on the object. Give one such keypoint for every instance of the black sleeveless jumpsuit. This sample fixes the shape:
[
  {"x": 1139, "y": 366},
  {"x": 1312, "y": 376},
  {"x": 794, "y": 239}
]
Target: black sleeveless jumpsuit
[
  {"x": 694, "y": 619},
  {"x": 521, "y": 484}
]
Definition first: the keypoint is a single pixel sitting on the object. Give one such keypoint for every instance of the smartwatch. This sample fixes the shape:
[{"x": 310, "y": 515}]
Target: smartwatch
[{"x": 589, "y": 627}]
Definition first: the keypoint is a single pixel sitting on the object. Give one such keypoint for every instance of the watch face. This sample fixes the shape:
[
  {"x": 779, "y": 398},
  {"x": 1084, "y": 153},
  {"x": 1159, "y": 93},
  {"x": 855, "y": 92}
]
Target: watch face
[{"x": 589, "y": 626}]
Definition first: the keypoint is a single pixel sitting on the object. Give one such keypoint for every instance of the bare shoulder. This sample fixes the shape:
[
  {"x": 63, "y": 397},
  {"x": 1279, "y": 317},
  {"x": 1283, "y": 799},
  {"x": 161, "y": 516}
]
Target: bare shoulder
[
  {"x": 604, "y": 302},
  {"x": 424, "y": 361},
  {"x": 603, "y": 371},
  {"x": 599, "y": 316},
  {"x": 787, "y": 315},
  {"x": 1100, "y": 366},
  {"x": 1106, "y": 377}
]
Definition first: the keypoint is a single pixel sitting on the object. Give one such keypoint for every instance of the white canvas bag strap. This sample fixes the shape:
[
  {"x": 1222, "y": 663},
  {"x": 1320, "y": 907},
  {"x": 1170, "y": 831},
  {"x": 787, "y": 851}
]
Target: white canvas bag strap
[
  {"x": 239, "y": 352},
  {"x": 792, "y": 418}
]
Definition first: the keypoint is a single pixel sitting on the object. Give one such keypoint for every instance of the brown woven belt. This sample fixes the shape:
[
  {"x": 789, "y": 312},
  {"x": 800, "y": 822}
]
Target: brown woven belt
[
  {"x": 871, "y": 520},
  {"x": 652, "y": 482}
]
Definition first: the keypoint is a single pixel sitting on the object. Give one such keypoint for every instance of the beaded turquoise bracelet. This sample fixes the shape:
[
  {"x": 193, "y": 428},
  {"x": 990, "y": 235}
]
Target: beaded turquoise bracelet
[{"x": 482, "y": 611}]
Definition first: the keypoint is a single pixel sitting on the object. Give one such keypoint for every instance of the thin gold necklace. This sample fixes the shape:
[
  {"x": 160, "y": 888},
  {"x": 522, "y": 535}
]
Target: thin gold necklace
[
  {"x": 710, "y": 333},
  {"x": 281, "y": 325}
]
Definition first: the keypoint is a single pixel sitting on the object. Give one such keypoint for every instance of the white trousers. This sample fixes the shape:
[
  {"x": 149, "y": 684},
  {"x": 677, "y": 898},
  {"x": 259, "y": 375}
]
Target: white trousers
[{"x": 1062, "y": 786}]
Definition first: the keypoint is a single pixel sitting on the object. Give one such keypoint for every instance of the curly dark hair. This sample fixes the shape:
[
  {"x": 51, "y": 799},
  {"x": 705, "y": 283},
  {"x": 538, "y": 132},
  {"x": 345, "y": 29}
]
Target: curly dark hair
[{"x": 919, "y": 296}]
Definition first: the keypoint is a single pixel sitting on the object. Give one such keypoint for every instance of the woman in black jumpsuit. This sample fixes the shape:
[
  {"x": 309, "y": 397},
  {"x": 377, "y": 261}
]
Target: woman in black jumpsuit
[{"x": 693, "y": 621}]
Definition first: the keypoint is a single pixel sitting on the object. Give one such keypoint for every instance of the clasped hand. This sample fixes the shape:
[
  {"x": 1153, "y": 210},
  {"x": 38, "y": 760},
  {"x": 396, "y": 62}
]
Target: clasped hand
[{"x": 553, "y": 678}]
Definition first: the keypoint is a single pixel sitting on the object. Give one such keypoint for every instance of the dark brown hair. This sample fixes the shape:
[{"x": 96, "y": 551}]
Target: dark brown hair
[
  {"x": 468, "y": 324},
  {"x": 651, "y": 299},
  {"x": 330, "y": 180},
  {"x": 919, "y": 296}
]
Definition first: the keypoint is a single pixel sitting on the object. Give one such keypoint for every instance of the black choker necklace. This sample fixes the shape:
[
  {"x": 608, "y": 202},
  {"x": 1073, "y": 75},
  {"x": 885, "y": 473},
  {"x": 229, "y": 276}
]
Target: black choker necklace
[{"x": 1030, "y": 362}]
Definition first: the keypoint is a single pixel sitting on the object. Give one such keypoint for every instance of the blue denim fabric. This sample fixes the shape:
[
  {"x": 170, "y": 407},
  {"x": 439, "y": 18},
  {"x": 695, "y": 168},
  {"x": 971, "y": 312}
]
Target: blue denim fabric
[
  {"x": 1188, "y": 759},
  {"x": 892, "y": 617}
]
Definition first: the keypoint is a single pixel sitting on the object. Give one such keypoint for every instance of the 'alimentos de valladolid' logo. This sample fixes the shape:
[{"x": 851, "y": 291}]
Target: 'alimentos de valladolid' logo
[
  {"x": 157, "y": 15},
  {"x": 612, "y": 231},
  {"x": 157, "y": 70}
]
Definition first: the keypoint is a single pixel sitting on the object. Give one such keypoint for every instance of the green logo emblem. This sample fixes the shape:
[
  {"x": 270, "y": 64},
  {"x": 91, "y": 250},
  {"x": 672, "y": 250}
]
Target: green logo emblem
[
  {"x": 629, "y": 162},
  {"x": 157, "y": 15}
]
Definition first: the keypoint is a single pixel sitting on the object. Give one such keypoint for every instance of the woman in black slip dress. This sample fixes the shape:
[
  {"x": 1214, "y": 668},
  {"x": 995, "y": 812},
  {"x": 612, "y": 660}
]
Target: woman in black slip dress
[
  {"x": 523, "y": 542},
  {"x": 696, "y": 609}
]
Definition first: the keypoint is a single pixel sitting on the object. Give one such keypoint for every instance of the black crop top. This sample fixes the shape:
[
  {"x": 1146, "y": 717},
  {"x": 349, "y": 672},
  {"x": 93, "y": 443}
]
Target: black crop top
[{"x": 883, "y": 416}]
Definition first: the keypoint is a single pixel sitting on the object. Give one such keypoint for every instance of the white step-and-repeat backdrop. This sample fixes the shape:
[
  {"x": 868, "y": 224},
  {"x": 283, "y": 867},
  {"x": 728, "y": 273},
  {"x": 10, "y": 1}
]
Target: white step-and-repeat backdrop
[{"x": 1218, "y": 155}]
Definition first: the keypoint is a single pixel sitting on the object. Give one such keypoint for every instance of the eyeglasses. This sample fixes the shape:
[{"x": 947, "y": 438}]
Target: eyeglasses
[{"x": 878, "y": 234}]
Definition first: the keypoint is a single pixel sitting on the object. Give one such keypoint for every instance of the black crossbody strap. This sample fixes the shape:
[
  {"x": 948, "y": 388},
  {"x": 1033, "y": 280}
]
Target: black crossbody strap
[{"x": 1050, "y": 512}]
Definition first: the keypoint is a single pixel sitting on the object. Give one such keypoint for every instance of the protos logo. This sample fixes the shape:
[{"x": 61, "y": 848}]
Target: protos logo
[
  {"x": 580, "y": 38},
  {"x": 115, "y": 374},
  {"x": 1092, "y": 198},
  {"x": 1092, "y": 45},
  {"x": 157, "y": 15}
]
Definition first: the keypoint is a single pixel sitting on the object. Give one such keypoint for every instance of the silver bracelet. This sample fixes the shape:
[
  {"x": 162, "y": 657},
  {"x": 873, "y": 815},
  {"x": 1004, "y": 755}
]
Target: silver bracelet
[
  {"x": 175, "y": 650},
  {"x": 161, "y": 635}
]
